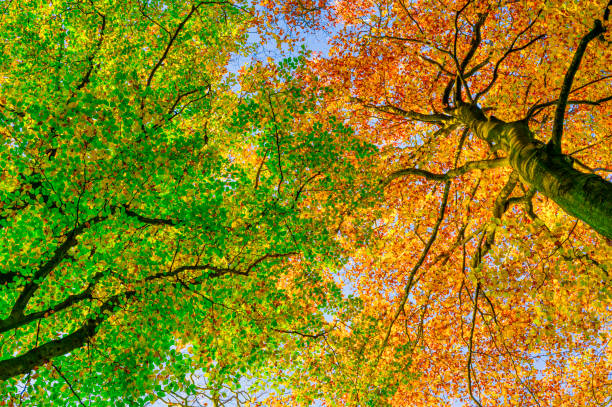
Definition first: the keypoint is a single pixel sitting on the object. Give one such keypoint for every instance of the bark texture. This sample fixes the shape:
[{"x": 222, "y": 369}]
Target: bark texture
[{"x": 587, "y": 197}]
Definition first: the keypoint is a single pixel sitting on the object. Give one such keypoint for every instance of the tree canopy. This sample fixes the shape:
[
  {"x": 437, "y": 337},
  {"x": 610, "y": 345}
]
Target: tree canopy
[{"x": 423, "y": 216}]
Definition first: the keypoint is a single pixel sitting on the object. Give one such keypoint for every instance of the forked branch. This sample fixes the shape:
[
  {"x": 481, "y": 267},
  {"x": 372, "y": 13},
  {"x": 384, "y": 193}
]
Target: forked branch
[
  {"x": 508, "y": 52},
  {"x": 467, "y": 167},
  {"x": 437, "y": 118}
]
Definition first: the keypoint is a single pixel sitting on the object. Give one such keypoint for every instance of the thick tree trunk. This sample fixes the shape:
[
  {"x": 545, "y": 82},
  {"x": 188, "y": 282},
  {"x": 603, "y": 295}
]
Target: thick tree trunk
[{"x": 587, "y": 197}]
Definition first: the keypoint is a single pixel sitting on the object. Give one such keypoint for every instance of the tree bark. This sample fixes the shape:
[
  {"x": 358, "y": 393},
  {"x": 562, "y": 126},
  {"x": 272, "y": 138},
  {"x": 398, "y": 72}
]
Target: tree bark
[
  {"x": 23, "y": 364},
  {"x": 587, "y": 197},
  {"x": 28, "y": 361}
]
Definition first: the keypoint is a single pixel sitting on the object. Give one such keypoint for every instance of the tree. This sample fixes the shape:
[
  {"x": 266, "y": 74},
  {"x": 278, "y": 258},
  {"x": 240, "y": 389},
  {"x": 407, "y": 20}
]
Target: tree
[
  {"x": 485, "y": 273},
  {"x": 149, "y": 199},
  {"x": 163, "y": 216}
]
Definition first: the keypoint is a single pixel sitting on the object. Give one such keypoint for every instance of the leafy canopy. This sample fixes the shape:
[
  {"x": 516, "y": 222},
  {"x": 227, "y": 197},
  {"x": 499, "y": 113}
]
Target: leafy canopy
[
  {"x": 485, "y": 273},
  {"x": 150, "y": 198}
]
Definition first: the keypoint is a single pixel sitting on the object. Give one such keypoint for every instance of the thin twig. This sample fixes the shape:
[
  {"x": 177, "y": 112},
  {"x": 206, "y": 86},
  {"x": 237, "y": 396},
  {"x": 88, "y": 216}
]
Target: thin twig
[{"x": 68, "y": 383}]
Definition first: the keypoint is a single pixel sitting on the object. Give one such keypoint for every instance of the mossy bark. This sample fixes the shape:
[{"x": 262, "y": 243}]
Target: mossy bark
[{"x": 587, "y": 197}]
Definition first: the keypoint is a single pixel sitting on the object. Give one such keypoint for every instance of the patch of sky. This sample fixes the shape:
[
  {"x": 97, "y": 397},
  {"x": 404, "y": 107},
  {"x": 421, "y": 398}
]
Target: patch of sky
[{"x": 318, "y": 42}]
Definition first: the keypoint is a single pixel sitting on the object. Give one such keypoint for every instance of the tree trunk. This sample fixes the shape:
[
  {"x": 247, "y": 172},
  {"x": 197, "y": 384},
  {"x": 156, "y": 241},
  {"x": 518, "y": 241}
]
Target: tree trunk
[{"x": 587, "y": 197}]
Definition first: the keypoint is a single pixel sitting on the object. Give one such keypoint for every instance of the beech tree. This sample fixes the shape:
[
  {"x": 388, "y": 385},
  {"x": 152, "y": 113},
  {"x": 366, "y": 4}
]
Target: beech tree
[
  {"x": 149, "y": 197},
  {"x": 172, "y": 229},
  {"x": 484, "y": 276}
]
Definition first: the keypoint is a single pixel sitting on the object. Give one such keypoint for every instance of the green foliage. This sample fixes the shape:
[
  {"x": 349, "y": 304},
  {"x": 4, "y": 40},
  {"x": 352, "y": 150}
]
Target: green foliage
[{"x": 153, "y": 221}]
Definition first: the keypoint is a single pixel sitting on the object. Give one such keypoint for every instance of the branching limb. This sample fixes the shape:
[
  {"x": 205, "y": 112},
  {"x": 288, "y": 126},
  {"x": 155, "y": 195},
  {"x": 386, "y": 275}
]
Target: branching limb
[
  {"x": 90, "y": 58},
  {"x": 267, "y": 257},
  {"x": 301, "y": 189},
  {"x": 24, "y": 363},
  {"x": 459, "y": 80},
  {"x": 436, "y": 63},
  {"x": 554, "y": 145},
  {"x": 150, "y": 221},
  {"x": 35, "y": 357},
  {"x": 213, "y": 271},
  {"x": 8, "y": 277},
  {"x": 12, "y": 323},
  {"x": 60, "y": 253},
  {"x": 411, "y": 17},
  {"x": 591, "y": 145},
  {"x": 278, "y": 148},
  {"x": 409, "y": 114},
  {"x": 507, "y": 53},
  {"x": 305, "y": 335},
  {"x": 535, "y": 109},
  {"x": 173, "y": 38},
  {"x": 467, "y": 167},
  {"x": 141, "y": 8}
]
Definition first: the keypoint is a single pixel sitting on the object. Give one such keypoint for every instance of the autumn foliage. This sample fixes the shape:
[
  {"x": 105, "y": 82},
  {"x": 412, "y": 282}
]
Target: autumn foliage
[
  {"x": 478, "y": 288},
  {"x": 421, "y": 216}
]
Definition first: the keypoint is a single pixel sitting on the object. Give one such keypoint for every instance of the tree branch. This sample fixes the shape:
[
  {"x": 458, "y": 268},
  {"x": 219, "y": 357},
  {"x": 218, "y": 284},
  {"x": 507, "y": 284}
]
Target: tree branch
[
  {"x": 68, "y": 383},
  {"x": 169, "y": 45},
  {"x": 266, "y": 257},
  {"x": 174, "y": 37},
  {"x": 409, "y": 114},
  {"x": 471, "y": 346},
  {"x": 12, "y": 323},
  {"x": 416, "y": 267},
  {"x": 554, "y": 145},
  {"x": 147, "y": 220},
  {"x": 299, "y": 191},
  {"x": 467, "y": 167},
  {"x": 59, "y": 254},
  {"x": 460, "y": 79},
  {"x": 508, "y": 52},
  {"x": 91, "y": 57},
  {"x": 313, "y": 336},
  {"x": 24, "y": 363},
  {"x": 535, "y": 109}
]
